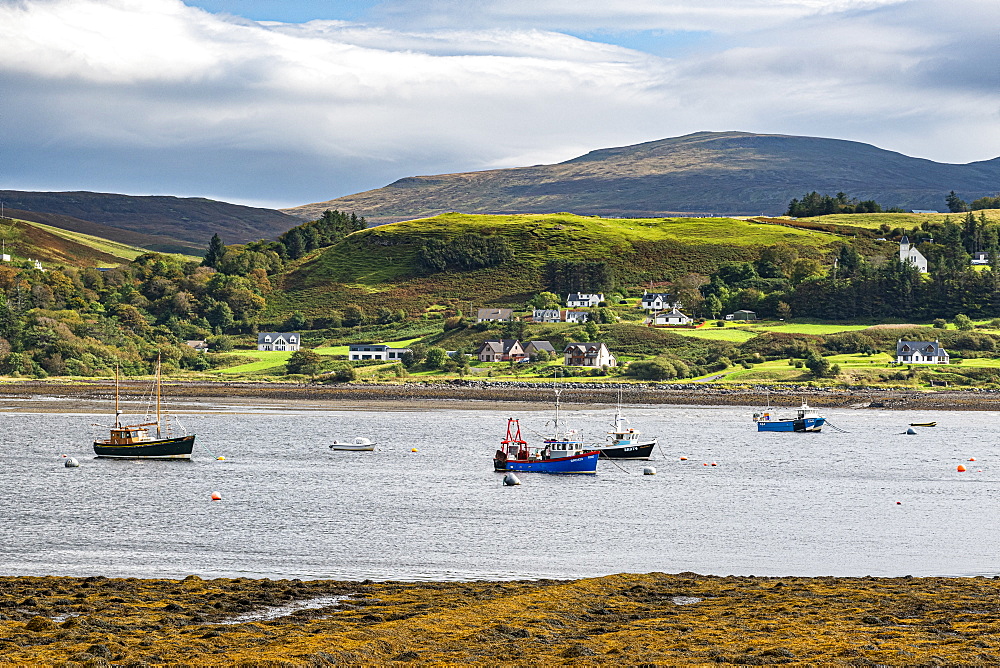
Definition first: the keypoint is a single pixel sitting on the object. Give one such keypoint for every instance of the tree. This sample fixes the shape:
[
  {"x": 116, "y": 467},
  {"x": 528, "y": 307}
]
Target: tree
[
  {"x": 818, "y": 365},
  {"x": 303, "y": 361},
  {"x": 435, "y": 358},
  {"x": 214, "y": 254},
  {"x": 784, "y": 311},
  {"x": 955, "y": 203},
  {"x": 963, "y": 322},
  {"x": 296, "y": 321}
]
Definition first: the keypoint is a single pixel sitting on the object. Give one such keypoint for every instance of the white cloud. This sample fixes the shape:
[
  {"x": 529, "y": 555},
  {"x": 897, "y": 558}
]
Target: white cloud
[{"x": 122, "y": 94}]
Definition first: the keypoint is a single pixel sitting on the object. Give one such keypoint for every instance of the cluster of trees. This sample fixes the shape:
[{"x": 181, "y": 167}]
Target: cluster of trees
[
  {"x": 566, "y": 276},
  {"x": 467, "y": 251},
  {"x": 814, "y": 204},
  {"x": 958, "y": 205},
  {"x": 851, "y": 285},
  {"x": 327, "y": 230}
]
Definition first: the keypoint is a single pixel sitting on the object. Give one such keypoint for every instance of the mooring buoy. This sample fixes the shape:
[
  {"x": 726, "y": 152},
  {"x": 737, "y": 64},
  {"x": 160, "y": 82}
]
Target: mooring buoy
[
  {"x": 71, "y": 463},
  {"x": 910, "y": 431},
  {"x": 510, "y": 479},
  {"x": 648, "y": 470}
]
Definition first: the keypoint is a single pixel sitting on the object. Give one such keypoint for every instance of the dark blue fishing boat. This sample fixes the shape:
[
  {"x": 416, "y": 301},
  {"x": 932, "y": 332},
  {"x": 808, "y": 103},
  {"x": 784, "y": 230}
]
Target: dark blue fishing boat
[
  {"x": 560, "y": 454},
  {"x": 805, "y": 419}
]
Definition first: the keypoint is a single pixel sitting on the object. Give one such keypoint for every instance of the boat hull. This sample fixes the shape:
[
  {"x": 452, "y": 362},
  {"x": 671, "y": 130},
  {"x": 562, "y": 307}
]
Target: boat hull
[
  {"x": 628, "y": 451},
  {"x": 585, "y": 463},
  {"x": 164, "y": 448},
  {"x": 352, "y": 447},
  {"x": 809, "y": 424}
]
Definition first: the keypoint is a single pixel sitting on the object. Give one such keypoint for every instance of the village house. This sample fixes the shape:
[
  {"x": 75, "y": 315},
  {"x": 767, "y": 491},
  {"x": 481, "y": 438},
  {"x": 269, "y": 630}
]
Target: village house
[
  {"x": 546, "y": 315},
  {"x": 588, "y": 354},
  {"x": 909, "y": 253},
  {"x": 672, "y": 317},
  {"x": 578, "y": 317},
  {"x": 657, "y": 301},
  {"x": 742, "y": 314},
  {"x": 584, "y": 299},
  {"x": 921, "y": 352},
  {"x": 501, "y": 350},
  {"x": 495, "y": 315},
  {"x": 270, "y": 341},
  {"x": 200, "y": 346},
  {"x": 980, "y": 257},
  {"x": 375, "y": 351},
  {"x": 533, "y": 347}
]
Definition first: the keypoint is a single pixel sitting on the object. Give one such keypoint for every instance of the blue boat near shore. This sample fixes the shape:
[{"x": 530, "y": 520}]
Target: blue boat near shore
[
  {"x": 806, "y": 419},
  {"x": 559, "y": 454}
]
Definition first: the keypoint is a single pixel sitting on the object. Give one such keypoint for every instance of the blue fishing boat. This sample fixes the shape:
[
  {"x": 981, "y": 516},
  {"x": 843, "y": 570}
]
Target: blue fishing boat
[
  {"x": 560, "y": 454},
  {"x": 805, "y": 419}
]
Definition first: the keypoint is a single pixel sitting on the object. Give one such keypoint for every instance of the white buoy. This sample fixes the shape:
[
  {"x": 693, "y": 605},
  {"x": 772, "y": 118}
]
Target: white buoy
[
  {"x": 910, "y": 431},
  {"x": 510, "y": 479},
  {"x": 71, "y": 463},
  {"x": 648, "y": 470}
]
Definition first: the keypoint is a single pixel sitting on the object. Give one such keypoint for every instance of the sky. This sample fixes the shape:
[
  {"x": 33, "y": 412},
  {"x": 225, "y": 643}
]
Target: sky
[{"x": 278, "y": 103}]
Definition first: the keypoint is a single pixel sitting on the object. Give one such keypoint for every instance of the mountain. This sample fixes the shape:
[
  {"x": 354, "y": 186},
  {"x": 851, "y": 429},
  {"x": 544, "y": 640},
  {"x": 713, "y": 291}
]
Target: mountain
[
  {"x": 189, "y": 219},
  {"x": 721, "y": 173}
]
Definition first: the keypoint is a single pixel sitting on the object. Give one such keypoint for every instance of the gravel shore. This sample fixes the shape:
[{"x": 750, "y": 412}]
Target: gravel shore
[{"x": 424, "y": 395}]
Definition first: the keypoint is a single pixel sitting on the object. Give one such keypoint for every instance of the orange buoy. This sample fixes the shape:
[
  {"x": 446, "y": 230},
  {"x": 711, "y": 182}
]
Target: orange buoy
[
  {"x": 684, "y": 459},
  {"x": 705, "y": 464},
  {"x": 960, "y": 469},
  {"x": 972, "y": 459},
  {"x": 216, "y": 496},
  {"x": 714, "y": 464},
  {"x": 899, "y": 503},
  {"x": 414, "y": 450}
]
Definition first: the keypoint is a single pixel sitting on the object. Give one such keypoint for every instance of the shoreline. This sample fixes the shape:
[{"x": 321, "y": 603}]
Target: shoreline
[
  {"x": 653, "y": 618},
  {"x": 425, "y": 395}
]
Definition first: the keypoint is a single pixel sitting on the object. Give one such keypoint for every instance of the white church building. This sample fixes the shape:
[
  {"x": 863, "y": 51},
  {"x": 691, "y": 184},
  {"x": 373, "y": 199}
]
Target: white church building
[{"x": 908, "y": 253}]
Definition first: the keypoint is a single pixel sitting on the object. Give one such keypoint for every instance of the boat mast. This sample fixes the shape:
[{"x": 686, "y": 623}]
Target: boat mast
[
  {"x": 118, "y": 413},
  {"x": 158, "y": 396}
]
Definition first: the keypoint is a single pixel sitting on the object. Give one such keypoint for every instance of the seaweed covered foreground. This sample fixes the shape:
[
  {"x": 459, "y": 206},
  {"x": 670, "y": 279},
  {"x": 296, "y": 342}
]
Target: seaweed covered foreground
[{"x": 619, "y": 619}]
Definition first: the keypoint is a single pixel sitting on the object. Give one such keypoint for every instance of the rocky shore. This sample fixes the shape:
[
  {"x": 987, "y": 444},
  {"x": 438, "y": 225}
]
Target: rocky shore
[
  {"x": 442, "y": 394},
  {"x": 652, "y": 619}
]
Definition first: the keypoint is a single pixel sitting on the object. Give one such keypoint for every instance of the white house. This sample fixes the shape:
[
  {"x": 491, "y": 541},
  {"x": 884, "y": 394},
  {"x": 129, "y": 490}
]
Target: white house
[
  {"x": 583, "y": 299},
  {"x": 980, "y": 257},
  {"x": 909, "y": 253},
  {"x": 657, "y": 301},
  {"x": 588, "y": 354},
  {"x": 546, "y": 315},
  {"x": 278, "y": 341},
  {"x": 921, "y": 352},
  {"x": 672, "y": 317},
  {"x": 375, "y": 351},
  {"x": 575, "y": 316},
  {"x": 495, "y": 315}
]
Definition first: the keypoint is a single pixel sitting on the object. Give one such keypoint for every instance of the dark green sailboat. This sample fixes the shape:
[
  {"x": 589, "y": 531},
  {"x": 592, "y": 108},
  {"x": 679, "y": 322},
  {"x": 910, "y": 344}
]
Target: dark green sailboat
[{"x": 134, "y": 441}]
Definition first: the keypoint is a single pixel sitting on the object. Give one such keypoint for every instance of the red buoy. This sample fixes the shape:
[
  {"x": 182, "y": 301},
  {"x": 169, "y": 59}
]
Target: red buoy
[
  {"x": 216, "y": 496},
  {"x": 960, "y": 469}
]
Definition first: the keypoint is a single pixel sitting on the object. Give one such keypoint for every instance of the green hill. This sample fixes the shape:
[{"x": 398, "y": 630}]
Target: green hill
[
  {"x": 379, "y": 266},
  {"x": 24, "y": 240},
  {"x": 714, "y": 173}
]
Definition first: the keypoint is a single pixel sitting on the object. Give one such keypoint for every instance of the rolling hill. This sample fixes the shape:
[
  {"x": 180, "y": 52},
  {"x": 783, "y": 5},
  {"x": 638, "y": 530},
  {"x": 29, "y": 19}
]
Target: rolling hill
[
  {"x": 706, "y": 173},
  {"x": 378, "y": 267},
  {"x": 189, "y": 219},
  {"x": 24, "y": 240}
]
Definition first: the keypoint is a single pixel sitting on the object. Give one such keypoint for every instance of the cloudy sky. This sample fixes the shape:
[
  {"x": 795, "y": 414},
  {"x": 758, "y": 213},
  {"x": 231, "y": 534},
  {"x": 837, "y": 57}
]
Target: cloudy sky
[{"x": 287, "y": 102}]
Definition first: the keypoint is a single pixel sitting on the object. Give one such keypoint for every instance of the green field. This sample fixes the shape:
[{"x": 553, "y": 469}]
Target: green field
[{"x": 269, "y": 360}]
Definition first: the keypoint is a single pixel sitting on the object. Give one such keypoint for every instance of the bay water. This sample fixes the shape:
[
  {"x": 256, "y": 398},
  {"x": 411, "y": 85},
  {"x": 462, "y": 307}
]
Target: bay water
[{"x": 867, "y": 500}]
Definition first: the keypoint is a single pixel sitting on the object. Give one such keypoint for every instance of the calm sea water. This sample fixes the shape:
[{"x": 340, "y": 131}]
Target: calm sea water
[{"x": 869, "y": 502}]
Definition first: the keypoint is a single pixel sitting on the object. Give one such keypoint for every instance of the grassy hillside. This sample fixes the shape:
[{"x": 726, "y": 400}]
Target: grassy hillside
[
  {"x": 24, "y": 239},
  {"x": 192, "y": 219},
  {"x": 377, "y": 266}
]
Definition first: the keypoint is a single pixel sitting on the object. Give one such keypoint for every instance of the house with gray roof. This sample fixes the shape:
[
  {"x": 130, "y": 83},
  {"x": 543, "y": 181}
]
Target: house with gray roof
[
  {"x": 270, "y": 341},
  {"x": 501, "y": 350},
  {"x": 921, "y": 352}
]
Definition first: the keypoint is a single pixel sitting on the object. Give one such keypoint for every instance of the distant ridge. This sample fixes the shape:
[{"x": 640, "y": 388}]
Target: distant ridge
[
  {"x": 190, "y": 219},
  {"x": 722, "y": 173}
]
